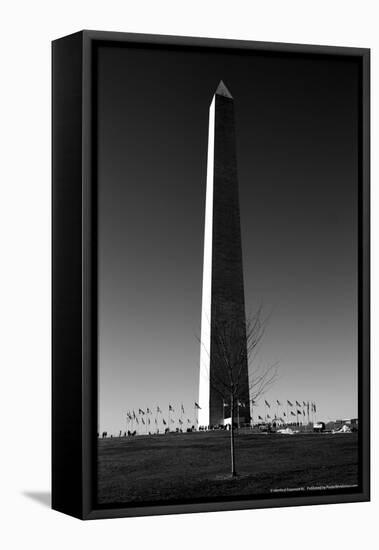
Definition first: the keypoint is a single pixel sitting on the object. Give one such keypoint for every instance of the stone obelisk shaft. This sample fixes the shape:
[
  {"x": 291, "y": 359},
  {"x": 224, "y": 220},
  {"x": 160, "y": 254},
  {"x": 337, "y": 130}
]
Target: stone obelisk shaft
[{"x": 223, "y": 285}]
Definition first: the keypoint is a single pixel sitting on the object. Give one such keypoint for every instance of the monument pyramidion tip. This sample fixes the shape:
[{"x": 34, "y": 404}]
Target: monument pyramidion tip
[{"x": 223, "y": 90}]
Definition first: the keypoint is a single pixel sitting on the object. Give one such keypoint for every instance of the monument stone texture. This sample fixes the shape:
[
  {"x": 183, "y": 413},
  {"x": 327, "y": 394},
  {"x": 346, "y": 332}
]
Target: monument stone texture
[{"x": 223, "y": 301}]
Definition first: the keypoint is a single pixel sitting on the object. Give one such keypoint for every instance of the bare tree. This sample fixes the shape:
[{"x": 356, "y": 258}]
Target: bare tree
[{"x": 234, "y": 346}]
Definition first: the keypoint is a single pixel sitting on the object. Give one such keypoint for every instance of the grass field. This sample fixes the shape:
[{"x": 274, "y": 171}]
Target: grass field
[{"x": 196, "y": 465}]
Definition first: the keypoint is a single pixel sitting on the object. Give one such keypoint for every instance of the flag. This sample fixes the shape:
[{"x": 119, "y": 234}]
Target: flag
[
  {"x": 260, "y": 418},
  {"x": 266, "y": 403},
  {"x": 197, "y": 406},
  {"x": 293, "y": 414},
  {"x": 170, "y": 408},
  {"x": 289, "y": 403},
  {"x": 164, "y": 422},
  {"x": 298, "y": 404},
  {"x": 298, "y": 412},
  {"x": 140, "y": 411},
  {"x": 279, "y": 403},
  {"x": 158, "y": 410}
]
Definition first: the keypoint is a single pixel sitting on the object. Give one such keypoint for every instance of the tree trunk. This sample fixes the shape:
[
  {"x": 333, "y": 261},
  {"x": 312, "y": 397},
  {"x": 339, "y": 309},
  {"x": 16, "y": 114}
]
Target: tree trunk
[{"x": 233, "y": 461}]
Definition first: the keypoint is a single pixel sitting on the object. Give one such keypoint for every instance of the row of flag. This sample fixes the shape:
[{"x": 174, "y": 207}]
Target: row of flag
[
  {"x": 298, "y": 410},
  {"x": 311, "y": 405},
  {"x": 150, "y": 417},
  {"x": 158, "y": 410}
]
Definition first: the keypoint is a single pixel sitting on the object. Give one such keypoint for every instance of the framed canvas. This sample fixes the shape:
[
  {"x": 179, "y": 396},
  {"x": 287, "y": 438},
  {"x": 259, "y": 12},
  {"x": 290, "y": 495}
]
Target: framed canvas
[{"x": 210, "y": 275}]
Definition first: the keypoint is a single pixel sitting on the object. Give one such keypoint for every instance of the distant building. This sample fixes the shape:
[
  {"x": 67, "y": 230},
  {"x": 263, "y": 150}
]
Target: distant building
[{"x": 351, "y": 422}]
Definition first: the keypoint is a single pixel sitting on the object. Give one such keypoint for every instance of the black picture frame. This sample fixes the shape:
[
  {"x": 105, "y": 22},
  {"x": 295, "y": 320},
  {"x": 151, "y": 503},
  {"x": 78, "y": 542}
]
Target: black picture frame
[{"x": 74, "y": 274}]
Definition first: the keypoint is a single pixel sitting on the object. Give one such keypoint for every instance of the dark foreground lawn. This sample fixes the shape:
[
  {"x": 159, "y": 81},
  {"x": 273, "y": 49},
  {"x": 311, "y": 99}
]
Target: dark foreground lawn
[{"x": 197, "y": 465}]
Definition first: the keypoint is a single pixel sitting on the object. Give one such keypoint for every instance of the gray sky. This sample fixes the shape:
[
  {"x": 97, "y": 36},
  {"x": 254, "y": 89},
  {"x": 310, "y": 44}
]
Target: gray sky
[{"x": 297, "y": 131}]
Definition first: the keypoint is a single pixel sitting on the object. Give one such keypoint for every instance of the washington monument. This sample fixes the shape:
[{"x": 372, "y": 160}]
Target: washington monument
[{"x": 223, "y": 301}]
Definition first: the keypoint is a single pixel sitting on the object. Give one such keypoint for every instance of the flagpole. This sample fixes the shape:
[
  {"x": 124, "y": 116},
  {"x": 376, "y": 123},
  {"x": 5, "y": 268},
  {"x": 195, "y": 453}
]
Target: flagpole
[{"x": 195, "y": 413}]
